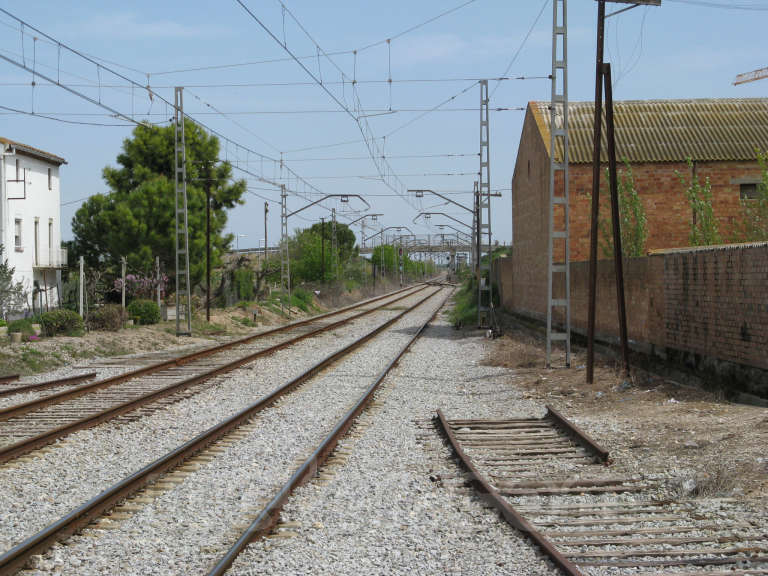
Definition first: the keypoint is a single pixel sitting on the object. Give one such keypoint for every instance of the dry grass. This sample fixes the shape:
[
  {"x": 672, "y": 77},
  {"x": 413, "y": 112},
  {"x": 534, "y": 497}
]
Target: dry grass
[{"x": 718, "y": 479}]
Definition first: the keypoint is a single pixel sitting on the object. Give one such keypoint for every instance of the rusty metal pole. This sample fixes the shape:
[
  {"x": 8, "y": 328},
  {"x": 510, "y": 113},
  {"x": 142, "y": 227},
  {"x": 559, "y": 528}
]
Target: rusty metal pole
[
  {"x": 595, "y": 191},
  {"x": 616, "y": 217}
]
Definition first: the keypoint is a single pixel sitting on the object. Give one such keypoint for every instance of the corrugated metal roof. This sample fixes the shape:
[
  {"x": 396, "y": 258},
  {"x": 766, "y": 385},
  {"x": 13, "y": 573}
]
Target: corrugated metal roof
[
  {"x": 707, "y": 129},
  {"x": 31, "y": 151}
]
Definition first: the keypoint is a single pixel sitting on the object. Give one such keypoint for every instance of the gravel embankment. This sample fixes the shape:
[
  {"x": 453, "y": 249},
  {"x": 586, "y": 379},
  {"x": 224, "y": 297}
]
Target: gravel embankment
[
  {"x": 39, "y": 490},
  {"x": 186, "y": 529},
  {"x": 107, "y": 367},
  {"x": 383, "y": 512}
]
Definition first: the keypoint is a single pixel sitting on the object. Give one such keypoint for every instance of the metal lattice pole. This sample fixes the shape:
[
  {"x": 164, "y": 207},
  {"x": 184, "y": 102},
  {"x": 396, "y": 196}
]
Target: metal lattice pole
[
  {"x": 285, "y": 260},
  {"x": 362, "y": 258},
  {"x": 558, "y": 266},
  {"x": 483, "y": 217},
  {"x": 334, "y": 245},
  {"x": 183, "y": 288}
]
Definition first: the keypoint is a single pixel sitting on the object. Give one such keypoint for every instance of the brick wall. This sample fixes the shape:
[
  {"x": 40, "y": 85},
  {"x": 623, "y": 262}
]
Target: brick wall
[
  {"x": 704, "y": 307},
  {"x": 663, "y": 197}
]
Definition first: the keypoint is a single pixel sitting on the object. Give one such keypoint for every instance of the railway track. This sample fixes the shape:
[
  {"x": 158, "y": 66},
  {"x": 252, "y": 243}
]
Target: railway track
[
  {"x": 31, "y": 425},
  {"x": 548, "y": 479},
  {"x": 211, "y": 450}
]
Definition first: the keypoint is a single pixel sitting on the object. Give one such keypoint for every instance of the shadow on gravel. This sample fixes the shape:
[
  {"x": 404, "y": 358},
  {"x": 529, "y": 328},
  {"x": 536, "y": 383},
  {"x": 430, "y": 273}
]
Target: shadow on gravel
[{"x": 438, "y": 332}]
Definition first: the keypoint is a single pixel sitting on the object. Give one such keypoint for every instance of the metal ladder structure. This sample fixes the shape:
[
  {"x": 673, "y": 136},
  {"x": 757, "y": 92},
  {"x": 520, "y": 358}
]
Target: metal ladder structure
[
  {"x": 558, "y": 265},
  {"x": 285, "y": 261},
  {"x": 483, "y": 222},
  {"x": 183, "y": 286}
]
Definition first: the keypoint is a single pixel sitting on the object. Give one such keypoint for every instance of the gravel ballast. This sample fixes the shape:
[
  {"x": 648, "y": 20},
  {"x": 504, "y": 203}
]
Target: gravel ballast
[
  {"x": 397, "y": 506},
  {"x": 184, "y": 530},
  {"x": 38, "y": 489}
]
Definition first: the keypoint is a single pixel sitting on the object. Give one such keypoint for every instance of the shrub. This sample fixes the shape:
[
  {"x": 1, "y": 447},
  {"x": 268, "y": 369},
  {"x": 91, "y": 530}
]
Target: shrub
[
  {"x": 61, "y": 322},
  {"x": 464, "y": 311},
  {"x": 301, "y": 299},
  {"x": 3, "y": 323},
  {"x": 144, "y": 311},
  {"x": 23, "y": 325},
  {"x": 109, "y": 317}
]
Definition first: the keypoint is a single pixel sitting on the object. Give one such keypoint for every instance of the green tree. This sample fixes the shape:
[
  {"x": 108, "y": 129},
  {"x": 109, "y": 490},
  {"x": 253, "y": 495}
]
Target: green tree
[
  {"x": 704, "y": 226},
  {"x": 136, "y": 219},
  {"x": 753, "y": 225},
  {"x": 634, "y": 223},
  {"x": 13, "y": 297},
  {"x": 306, "y": 249}
]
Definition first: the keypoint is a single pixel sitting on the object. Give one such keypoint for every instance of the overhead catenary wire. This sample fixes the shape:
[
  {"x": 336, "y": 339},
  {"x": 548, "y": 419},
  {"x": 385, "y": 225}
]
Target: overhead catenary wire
[
  {"x": 23, "y": 26},
  {"x": 544, "y": 4},
  {"x": 371, "y": 112},
  {"x": 354, "y": 51},
  {"x": 385, "y": 171}
]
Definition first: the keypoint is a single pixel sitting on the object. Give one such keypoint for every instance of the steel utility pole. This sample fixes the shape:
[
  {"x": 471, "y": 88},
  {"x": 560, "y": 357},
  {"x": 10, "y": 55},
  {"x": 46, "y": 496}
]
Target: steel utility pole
[
  {"x": 183, "y": 287},
  {"x": 603, "y": 82},
  {"x": 122, "y": 272},
  {"x": 285, "y": 262},
  {"x": 322, "y": 244},
  {"x": 266, "y": 211},
  {"x": 157, "y": 279},
  {"x": 558, "y": 247},
  {"x": 208, "y": 247},
  {"x": 484, "y": 284},
  {"x": 334, "y": 245},
  {"x": 82, "y": 284}
]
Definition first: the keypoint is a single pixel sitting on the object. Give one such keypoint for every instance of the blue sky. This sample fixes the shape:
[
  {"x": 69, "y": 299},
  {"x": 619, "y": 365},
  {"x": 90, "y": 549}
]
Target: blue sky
[{"x": 684, "y": 49}]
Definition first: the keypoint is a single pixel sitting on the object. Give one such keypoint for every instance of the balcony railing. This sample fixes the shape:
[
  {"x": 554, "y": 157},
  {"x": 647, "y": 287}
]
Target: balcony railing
[{"x": 52, "y": 259}]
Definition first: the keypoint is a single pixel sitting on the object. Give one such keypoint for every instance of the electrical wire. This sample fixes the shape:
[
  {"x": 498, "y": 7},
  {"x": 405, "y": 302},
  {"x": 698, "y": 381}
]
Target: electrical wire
[
  {"x": 522, "y": 44},
  {"x": 748, "y": 6},
  {"x": 282, "y": 84},
  {"x": 313, "y": 56},
  {"x": 374, "y": 111}
]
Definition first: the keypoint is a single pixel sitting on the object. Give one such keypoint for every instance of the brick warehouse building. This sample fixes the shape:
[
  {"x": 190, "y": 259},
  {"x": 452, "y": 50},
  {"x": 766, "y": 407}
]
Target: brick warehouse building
[
  {"x": 703, "y": 307},
  {"x": 656, "y": 137}
]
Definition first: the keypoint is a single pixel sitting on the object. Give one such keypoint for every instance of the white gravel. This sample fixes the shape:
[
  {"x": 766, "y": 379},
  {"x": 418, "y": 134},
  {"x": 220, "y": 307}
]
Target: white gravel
[
  {"x": 185, "y": 530},
  {"x": 38, "y": 490},
  {"x": 382, "y": 513}
]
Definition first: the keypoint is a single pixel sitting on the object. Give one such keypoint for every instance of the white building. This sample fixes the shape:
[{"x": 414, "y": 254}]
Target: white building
[{"x": 30, "y": 220}]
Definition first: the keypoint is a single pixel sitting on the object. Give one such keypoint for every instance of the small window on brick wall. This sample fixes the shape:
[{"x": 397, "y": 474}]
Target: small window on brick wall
[{"x": 750, "y": 191}]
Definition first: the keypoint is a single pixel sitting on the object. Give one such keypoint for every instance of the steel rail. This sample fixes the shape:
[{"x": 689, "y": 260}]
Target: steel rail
[
  {"x": 16, "y": 558},
  {"x": 12, "y": 451},
  {"x": 48, "y": 384},
  {"x": 269, "y": 515},
  {"x": 9, "y": 378},
  {"x": 19, "y": 409},
  {"x": 579, "y": 435},
  {"x": 512, "y": 516}
]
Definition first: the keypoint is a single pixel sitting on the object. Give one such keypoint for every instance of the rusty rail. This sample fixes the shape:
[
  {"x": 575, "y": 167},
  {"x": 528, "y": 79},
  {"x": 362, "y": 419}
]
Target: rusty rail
[
  {"x": 20, "y": 409},
  {"x": 579, "y": 435},
  {"x": 19, "y": 448},
  {"x": 269, "y": 515},
  {"x": 16, "y": 558},
  {"x": 48, "y": 384},
  {"x": 492, "y": 496},
  {"x": 9, "y": 378}
]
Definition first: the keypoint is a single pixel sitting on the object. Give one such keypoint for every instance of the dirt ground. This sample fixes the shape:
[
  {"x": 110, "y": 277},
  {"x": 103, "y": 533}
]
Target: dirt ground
[{"x": 692, "y": 440}]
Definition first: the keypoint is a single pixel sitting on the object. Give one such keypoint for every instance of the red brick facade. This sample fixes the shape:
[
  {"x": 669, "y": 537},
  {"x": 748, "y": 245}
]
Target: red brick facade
[
  {"x": 658, "y": 184},
  {"x": 704, "y": 306}
]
